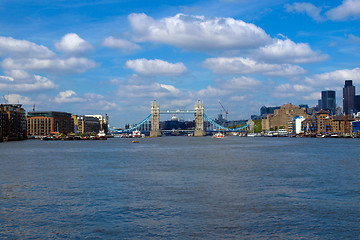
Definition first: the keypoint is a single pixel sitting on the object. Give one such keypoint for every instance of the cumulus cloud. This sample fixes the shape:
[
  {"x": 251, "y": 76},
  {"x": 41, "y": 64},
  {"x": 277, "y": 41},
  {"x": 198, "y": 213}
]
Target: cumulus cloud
[
  {"x": 334, "y": 78},
  {"x": 73, "y": 44},
  {"x": 241, "y": 83},
  {"x": 18, "y": 74},
  {"x": 68, "y": 96},
  {"x": 22, "y": 48},
  {"x": 312, "y": 96},
  {"x": 16, "y": 98},
  {"x": 286, "y": 87},
  {"x": 289, "y": 52},
  {"x": 349, "y": 9},
  {"x": 198, "y": 32},
  {"x": 239, "y": 65},
  {"x": 213, "y": 92},
  {"x": 57, "y": 65},
  {"x": 155, "y": 90},
  {"x": 302, "y": 88},
  {"x": 121, "y": 44},
  {"x": 156, "y": 67},
  {"x": 6, "y": 78},
  {"x": 31, "y": 83},
  {"x": 306, "y": 8}
]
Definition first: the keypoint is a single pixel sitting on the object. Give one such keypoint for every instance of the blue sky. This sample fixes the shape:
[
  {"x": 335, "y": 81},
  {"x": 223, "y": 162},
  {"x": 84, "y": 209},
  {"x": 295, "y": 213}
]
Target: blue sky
[{"x": 116, "y": 57}]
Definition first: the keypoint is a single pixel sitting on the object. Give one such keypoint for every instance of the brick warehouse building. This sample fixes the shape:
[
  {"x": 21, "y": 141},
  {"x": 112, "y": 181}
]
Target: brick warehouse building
[{"x": 45, "y": 123}]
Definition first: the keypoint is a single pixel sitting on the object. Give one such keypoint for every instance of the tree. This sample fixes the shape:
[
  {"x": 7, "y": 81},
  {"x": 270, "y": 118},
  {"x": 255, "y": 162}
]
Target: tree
[{"x": 258, "y": 126}]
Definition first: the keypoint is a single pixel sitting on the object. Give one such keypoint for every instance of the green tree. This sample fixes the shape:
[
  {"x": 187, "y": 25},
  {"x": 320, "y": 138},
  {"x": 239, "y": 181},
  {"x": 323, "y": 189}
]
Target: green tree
[{"x": 258, "y": 126}]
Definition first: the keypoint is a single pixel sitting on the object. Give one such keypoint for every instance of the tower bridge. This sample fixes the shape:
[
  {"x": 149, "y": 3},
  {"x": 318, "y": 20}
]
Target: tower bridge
[
  {"x": 198, "y": 111},
  {"x": 199, "y": 118}
]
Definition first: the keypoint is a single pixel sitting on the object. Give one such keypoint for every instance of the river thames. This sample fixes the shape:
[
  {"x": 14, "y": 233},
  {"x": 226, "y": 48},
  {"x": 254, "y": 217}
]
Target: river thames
[{"x": 181, "y": 188}]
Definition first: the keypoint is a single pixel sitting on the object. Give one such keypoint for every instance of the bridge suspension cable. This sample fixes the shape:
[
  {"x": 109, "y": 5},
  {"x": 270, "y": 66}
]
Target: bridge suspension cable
[
  {"x": 134, "y": 127},
  {"x": 220, "y": 127}
]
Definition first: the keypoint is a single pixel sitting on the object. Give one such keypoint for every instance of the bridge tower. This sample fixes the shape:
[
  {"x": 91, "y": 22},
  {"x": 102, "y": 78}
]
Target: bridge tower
[
  {"x": 199, "y": 120},
  {"x": 155, "y": 120}
]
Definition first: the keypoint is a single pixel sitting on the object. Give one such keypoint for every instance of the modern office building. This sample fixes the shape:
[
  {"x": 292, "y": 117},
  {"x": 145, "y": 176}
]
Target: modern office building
[
  {"x": 45, "y": 123},
  {"x": 86, "y": 124},
  {"x": 348, "y": 97},
  {"x": 319, "y": 105},
  {"x": 328, "y": 101},
  {"x": 12, "y": 122},
  {"x": 267, "y": 110},
  {"x": 357, "y": 104},
  {"x": 103, "y": 120}
]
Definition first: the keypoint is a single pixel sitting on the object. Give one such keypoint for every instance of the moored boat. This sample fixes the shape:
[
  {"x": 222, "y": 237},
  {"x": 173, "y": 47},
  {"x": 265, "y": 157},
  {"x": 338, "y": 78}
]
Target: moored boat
[
  {"x": 136, "y": 134},
  {"x": 218, "y": 135}
]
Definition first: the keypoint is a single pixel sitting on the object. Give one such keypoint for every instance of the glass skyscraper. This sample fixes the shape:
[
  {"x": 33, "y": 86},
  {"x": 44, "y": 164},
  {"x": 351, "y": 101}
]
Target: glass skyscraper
[
  {"x": 348, "y": 97},
  {"x": 328, "y": 101}
]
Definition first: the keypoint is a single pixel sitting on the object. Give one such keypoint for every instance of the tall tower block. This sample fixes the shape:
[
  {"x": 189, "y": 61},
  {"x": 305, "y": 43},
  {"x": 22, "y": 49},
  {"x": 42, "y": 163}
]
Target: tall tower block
[{"x": 348, "y": 97}]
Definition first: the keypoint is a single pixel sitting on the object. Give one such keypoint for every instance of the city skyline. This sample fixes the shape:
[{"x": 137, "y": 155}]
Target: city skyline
[{"x": 116, "y": 57}]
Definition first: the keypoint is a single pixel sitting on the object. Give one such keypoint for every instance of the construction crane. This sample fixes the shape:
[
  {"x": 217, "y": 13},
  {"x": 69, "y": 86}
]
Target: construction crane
[{"x": 226, "y": 112}]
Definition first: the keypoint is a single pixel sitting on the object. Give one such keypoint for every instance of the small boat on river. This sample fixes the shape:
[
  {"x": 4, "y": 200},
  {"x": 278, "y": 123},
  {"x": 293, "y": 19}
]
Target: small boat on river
[{"x": 218, "y": 135}]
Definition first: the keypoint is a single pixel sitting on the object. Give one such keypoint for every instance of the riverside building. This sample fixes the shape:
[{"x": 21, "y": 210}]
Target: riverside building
[
  {"x": 86, "y": 124},
  {"x": 12, "y": 122},
  {"x": 103, "y": 121},
  {"x": 323, "y": 123},
  {"x": 45, "y": 123},
  {"x": 283, "y": 118}
]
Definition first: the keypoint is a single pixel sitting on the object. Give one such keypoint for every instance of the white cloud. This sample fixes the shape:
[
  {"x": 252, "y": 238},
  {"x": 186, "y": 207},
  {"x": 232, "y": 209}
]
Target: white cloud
[
  {"x": 240, "y": 65},
  {"x": 16, "y": 98},
  {"x": 18, "y": 74},
  {"x": 155, "y": 90},
  {"x": 241, "y": 83},
  {"x": 102, "y": 105},
  {"x": 349, "y": 9},
  {"x": 198, "y": 32},
  {"x": 63, "y": 66},
  {"x": 93, "y": 96},
  {"x": 6, "y": 78},
  {"x": 72, "y": 43},
  {"x": 23, "y": 48},
  {"x": 306, "y": 8},
  {"x": 287, "y": 51},
  {"x": 170, "y": 88},
  {"x": 213, "y": 92},
  {"x": 302, "y": 88},
  {"x": 312, "y": 96},
  {"x": 332, "y": 79},
  {"x": 282, "y": 94},
  {"x": 156, "y": 67},
  {"x": 237, "y": 98},
  {"x": 283, "y": 87},
  {"x": 121, "y": 44},
  {"x": 286, "y": 87},
  {"x": 68, "y": 96},
  {"x": 32, "y": 83}
]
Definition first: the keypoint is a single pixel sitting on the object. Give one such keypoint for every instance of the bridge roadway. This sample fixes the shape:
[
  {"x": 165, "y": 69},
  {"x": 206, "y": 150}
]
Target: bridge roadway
[{"x": 177, "y": 111}]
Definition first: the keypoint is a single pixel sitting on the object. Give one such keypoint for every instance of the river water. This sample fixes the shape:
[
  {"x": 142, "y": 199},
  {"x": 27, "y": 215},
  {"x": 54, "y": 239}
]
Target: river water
[{"x": 181, "y": 188}]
